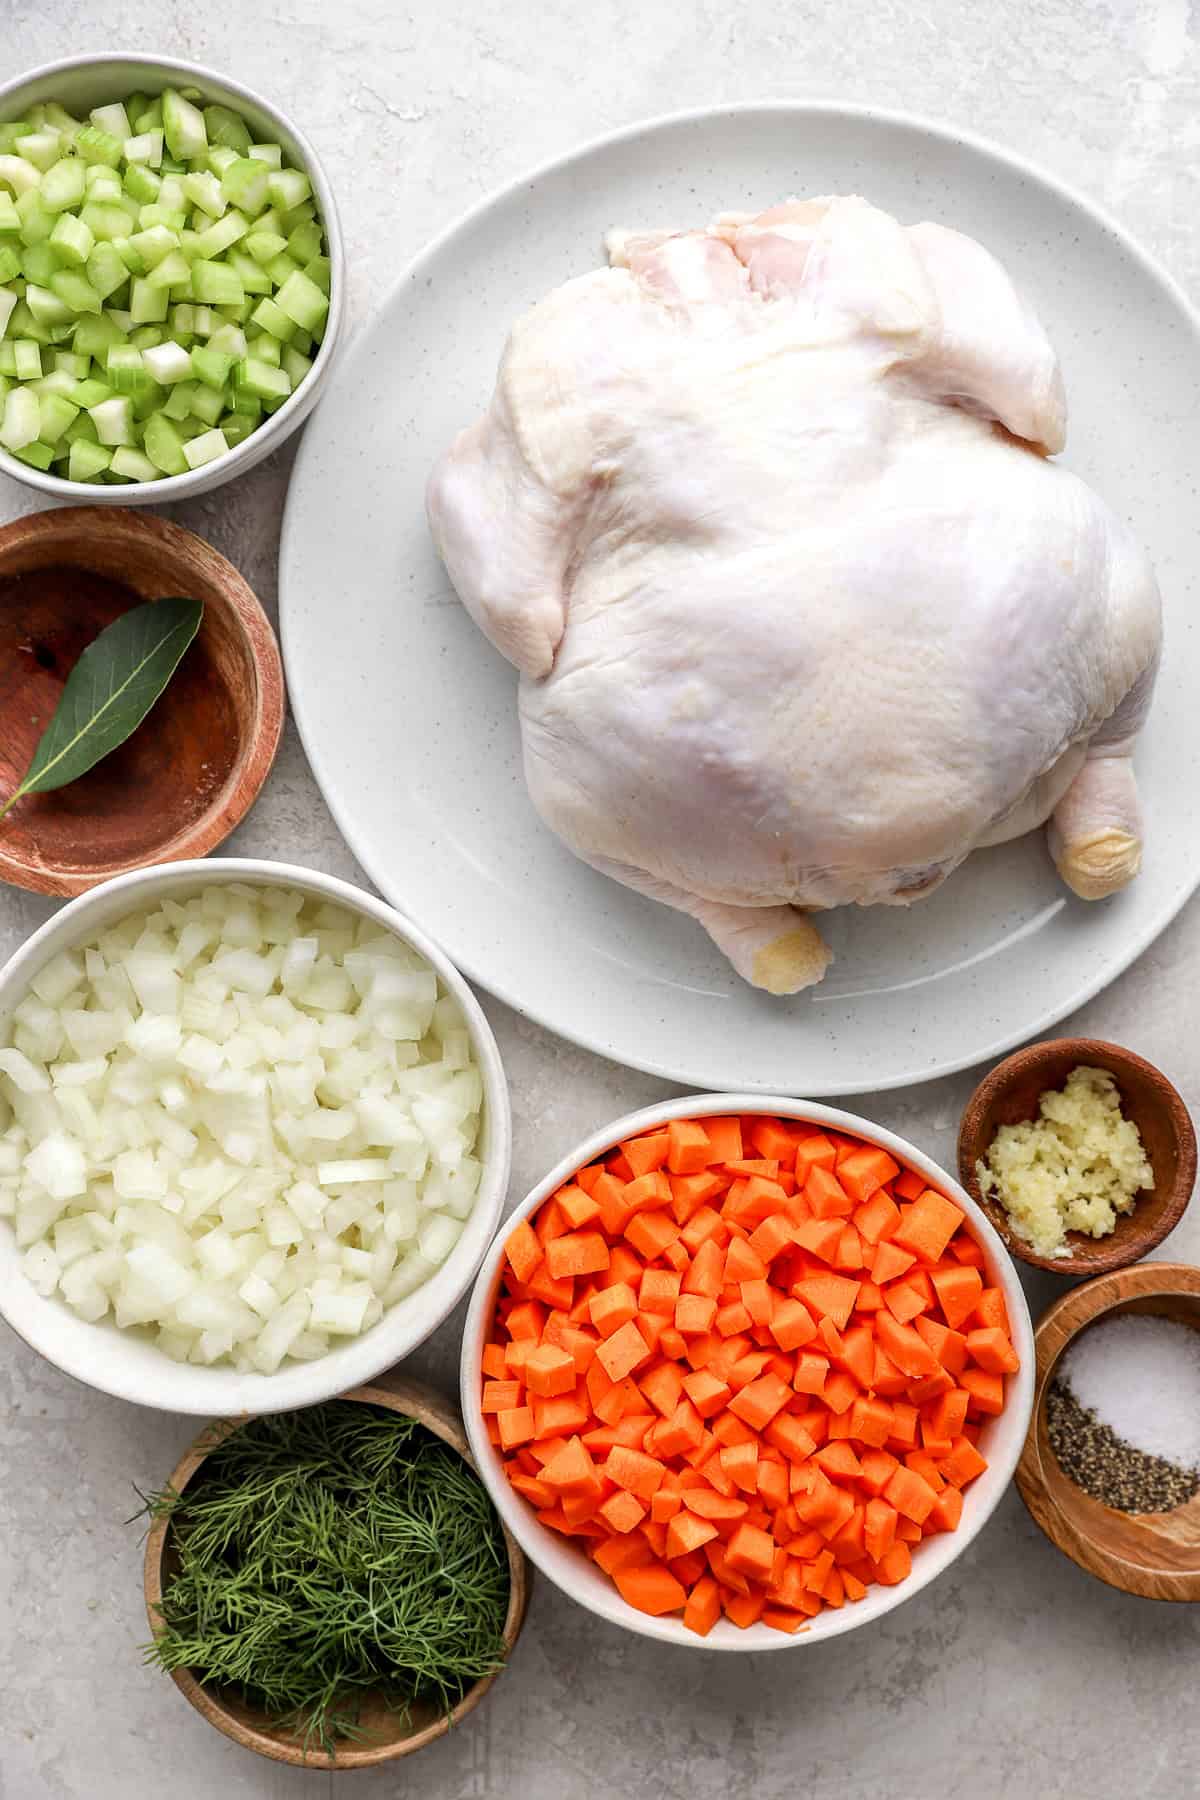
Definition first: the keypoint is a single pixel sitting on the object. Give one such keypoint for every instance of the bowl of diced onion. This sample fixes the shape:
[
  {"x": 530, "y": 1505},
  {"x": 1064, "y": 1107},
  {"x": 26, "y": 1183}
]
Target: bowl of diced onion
[
  {"x": 255, "y": 1137},
  {"x": 171, "y": 278}
]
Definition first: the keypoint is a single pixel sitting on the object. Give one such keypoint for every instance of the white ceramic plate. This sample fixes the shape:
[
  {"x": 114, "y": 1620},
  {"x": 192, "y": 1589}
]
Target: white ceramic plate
[{"x": 408, "y": 715}]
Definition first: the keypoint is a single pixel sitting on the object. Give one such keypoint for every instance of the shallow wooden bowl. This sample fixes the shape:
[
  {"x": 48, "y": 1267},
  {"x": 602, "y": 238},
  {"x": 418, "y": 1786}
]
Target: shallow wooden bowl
[
  {"x": 387, "y": 1736},
  {"x": 192, "y": 771},
  {"x": 1156, "y": 1555},
  {"x": 1010, "y": 1095}
]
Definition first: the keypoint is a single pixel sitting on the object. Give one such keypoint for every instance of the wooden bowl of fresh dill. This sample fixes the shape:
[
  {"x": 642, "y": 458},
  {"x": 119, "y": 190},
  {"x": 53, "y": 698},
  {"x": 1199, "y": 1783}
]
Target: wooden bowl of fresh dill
[{"x": 333, "y": 1587}]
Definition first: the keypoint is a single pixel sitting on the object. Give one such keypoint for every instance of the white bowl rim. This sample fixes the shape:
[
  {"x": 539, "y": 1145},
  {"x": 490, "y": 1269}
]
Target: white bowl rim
[
  {"x": 278, "y": 425},
  {"x": 154, "y": 1379},
  {"x": 560, "y": 1561}
]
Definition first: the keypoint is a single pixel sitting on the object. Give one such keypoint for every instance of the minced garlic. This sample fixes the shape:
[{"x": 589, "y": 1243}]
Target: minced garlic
[{"x": 1073, "y": 1168}]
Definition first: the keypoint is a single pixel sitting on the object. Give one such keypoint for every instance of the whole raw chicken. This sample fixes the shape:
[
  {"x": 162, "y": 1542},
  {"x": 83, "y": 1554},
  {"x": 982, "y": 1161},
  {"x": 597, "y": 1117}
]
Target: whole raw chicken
[{"x": 764, "y": 517}]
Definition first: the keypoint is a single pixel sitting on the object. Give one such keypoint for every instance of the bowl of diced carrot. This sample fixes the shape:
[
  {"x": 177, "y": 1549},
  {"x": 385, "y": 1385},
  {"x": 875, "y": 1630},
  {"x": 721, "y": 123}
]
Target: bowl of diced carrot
[{"x": 746, "y": 1372}]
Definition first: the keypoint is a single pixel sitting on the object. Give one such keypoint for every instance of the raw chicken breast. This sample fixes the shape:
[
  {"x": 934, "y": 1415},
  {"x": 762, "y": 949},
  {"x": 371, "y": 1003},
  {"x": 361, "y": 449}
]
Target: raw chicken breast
[{"x": 764, "y": 516}]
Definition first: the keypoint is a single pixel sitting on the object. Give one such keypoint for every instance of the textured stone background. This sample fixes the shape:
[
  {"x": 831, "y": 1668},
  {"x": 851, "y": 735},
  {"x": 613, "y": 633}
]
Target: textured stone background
[{"x": 1015, "y": 1678}]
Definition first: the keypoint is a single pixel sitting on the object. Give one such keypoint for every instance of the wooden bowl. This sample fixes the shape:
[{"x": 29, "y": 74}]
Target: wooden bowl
[
  {"x": 1156, "y": 1555},
  {"x": 387, "y": 1734},
  {"x": 1010, "y": 1095},
  {"x": 193, "y": 769}
]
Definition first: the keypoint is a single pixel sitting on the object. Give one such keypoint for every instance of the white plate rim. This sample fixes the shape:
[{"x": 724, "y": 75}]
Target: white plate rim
[{"x": 951, "y": 135}]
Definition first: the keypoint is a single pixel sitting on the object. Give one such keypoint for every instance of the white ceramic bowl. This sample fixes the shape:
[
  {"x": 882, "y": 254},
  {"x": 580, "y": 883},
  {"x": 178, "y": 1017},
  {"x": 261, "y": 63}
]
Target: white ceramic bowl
[
  {"x": 81, "y": 82},
  {"x": 130, "y": 1366},
  {"x": 570, "y": 1569}
]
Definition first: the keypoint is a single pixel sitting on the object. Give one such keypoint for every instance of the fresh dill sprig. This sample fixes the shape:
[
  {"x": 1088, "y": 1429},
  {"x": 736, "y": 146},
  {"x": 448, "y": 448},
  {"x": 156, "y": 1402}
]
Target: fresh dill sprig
[{"x": 322, "y": 1554}]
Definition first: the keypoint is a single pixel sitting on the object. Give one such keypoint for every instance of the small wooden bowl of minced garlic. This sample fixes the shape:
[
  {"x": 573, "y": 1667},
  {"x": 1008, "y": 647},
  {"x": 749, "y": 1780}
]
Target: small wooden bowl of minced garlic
[{"x": 1082, "y": 1155}]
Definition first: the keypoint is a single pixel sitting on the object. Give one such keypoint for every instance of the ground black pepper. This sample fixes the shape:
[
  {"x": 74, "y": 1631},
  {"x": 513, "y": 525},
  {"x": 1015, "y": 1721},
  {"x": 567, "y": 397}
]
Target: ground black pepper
[{"x": 1106, "y": 1467}]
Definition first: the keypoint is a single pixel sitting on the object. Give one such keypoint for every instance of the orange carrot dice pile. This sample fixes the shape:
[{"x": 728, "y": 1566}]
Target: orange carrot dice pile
[{"x": 746, "y": 1363}]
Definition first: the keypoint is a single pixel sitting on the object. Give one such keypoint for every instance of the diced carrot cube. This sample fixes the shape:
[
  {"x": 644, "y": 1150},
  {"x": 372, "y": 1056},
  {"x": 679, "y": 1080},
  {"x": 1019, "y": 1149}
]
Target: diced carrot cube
[
  {"x": 561, "y": 1414},
  {"x": 550, "y": 1371},
  {"x": 890, "y": 1262},
  {"x": 687, "y": 1532},
  {"x": 646, "y": 1154},
  {"x": 662, "y": 1385},
  {"x": 625, "y": 1351},
  {"x": 986, "y": 1391},
  {"x": 831, "y": 1296},
  {"x": 759, "y": 1401},
  {"x": 811, "y": 1373},
  {"x": 871, "y": 1421},
  {"x": 963, "y": 1464},
  {"x": 688, "y": 1147},
  {"x": 611, "y": 1308},
  {"x": 910, "y": 1494},
  {"x": 652, "y": 1589},
  {"x": 516, "y": 1425},
  {"x": 991, "y": 1351},
  {"x": 826, "y": 1195},
  {"x": 877, "y": 1218},
  {"x": 927, "y": 1226},
  {"x": 526, "y": 1321},
  {"x": 658, "y": 1292},
  {"x": 791, "y": 1324},
  {"x": 523, "y": 1250},
  {"x": 682, "y": 1432},
  {"x": 865, "y": 1170},
  {"x": 635, "y": 1471},
  {"x": 958, "y": 1290},
  {"x": 622, "y": 1511},
  {"x": 751, "y": 1552},
  {"x": 650, "y": 1233},
  {"x": 499, "y": 1396},
  {"x": 571, "y": 1470},
  {"x": 903, "y": 1301},
  {"x": 879, "y": 1528}
]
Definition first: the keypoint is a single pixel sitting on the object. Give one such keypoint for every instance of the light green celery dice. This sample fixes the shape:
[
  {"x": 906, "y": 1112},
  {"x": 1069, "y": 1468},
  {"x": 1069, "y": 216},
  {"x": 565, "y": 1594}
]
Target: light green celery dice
[
  {"x": 56, "y": 381},
  {"x": 21, "y": 417},
  {"x": 205, "y": 448},
  {"x": 294, "y": 365},
  {"x": 55, "y": 414},
  {"x": 39, "y": 263},
  {"x": 71, "y": 240},
  {"x": 21, "y": 176},
  {"x": 8, "y": 358},
  {"x": 93, "y": 144},
  {"x": 270, "y": 317},
  {"x": 125, "y": 370},
  {"x": 261, "y": 379},
  {"x": 28, "y": 359},
  {"x": 10, "y": 218},
  {"x": 145, "y": 337},
  {"x": 217, "y": 238},
  {"x": 49, "y": 308},
  {"x": 156, "y": 216},
  {"x": 149, "y": 118},
  {"x": 147, "y": 305},
  {"x": 216, "y": 284},
  {"x": 80, "y": 431},
  {"x": 102, "y": 185},
  {"x": 113, "y": 118},
  {"x": 10, "y": 131},
  {"x": 63, "y": 185},
  {"x": 307, "y": 241},
  {"x": 288, "y": 188},
  {"x": 225, "y": 128},
  {"x": 271, "y": 154},
  {"x": 21, "y": 322},
  {"x": 75, "y": 290},
  {"x": 106, "y": 270},
  {"x": 244, "y": 185},
  {"x": 220, "y": 157},
  {"x": 183, "y": 127},
  {"x": 204, "y": 190},
  {"x": 90, "y": 393},
  {"x": 204, "y": 321},
  {"x": 144, "y": 151},
  {"x": 113, "y": 420},
  {"x": 302, "y": 301},
  {"x": 145, "y": 405},
  {"x": 152, "y": 245},
  {"x": 95, "y": 337},
  {"x": 42, "y": 148},
  {"x": 178, "y": 403},
  {"x": 37, "y": 221},
  {"x": 38, "y": 455},
  {"x": 266, "y": 348},
  {"x": 254, "y": 279},
  {"x": 264, "y": 246},
  {"x": 230, "y": 340},
  {"x": 69, "y": 363},
  {"x": 142, "y": 184},
  {"x": 208, "y": 403},
  {"x": 10, "y": 262},
  {"x": 320, "y": 273},
  {"x": 164, "y": 446},
  {"x": 282, "y": 267},
  {"x": 106, "y": 219},
  {"x": 87, "y": 461},
  {"x": 210, "y": 366},
  {"x": 173, "y": 271},
  {"x": 237, "y": 427}
]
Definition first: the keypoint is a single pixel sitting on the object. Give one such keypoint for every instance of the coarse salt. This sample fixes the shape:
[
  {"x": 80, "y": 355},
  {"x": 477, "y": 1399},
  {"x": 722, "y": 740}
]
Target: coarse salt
[{"x": 1140, "y": 1374}]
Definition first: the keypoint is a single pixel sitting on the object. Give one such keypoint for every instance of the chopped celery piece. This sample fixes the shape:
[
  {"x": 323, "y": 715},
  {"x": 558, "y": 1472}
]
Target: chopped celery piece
[
  {"x": 11, "y": 131},
  {"x": 106, "y": 270},
  {"x": 69, "y": 363},
  {"x": 145, "y": 149},
  {"x": 205, "y": 448},
  {"x": 230, "y": 340},
  {"x": 216, "y": 284},
  {"x": 86, "y": 461},
  {"x": 147, "y": 403},
  {"x": 149, "y": 118},
  {"x": 208, "y": 403},
  {"x": 21, "y": 176},
  {"x": 306, "y": 242},
  {"x": 91, "y": 392},
  {"x": 142, "y": 184},
  {"x": 147, "y": 305},
  {"x": 71, "y": 240},
  {"x": 41, "y": 148},
  {"x": 49, "y": 308},
  {"x": 287, "y": 188},
  {"x": 22, "y": 323},
  {"x": 282, "y": 267},
  {"x": 264, "y": 246},
  {"x": 220, "y": 158},
  {"x": 133, "y": 465},
  {"x": 171, "y": 194},
  {"x": 62, "y": 185},
  {"x": 28, "y": 359},
  {"x": 225, "y": 128},
  {"x": 152, "y": 246},
  {"x": 21, "y": 418},
  {"x": 56, "y": 382},
  {"x": 57, "y": 117},
  {"x": 271, "y": 154},
  {"x": 267, "y": 349},
  {"x": 260, "y": 378},
  {"x": 102, "y": 183},
  {"x": 183, "y": 319},
  {"x": 168, "y": 363},
  {"x": 38, "y": 264},
  {"x": 96, "y": 145},
  {"x": 126, "y": 371},
  {"x": 107, "y": 219},
  {"x": 244, "y": 184},
  {"x": 121, "y": 318},
  {"x": 211, "y": 366},
  {"x": 8, "y": 358},
  {"x": 113, "y": 420},
  {"x": 302, "y": 300},
  {"x": 294, "y": 365},
  {"x": 238, "y": 426},
  {"x": 76, "y": 291},
  {"x": 218, "y": 237},
  {"x": 183, "y": 127},
  {"x": 205, "y": 321},
  {"x": 10, "y": 218},
  {"x": 178, "y": 403},
  {"x": 8, "y": 306},
  {"x": 39, "y": 455},
  {"x": 145, "y": 337},
  {"x": 164, "y": 446},
  {"x": 174, "y": 271},
  {"x": 271, "y": 317},
  {"x": 55, "y": 414},
  {"x": 10, "y": 262},
  {"x": 95, "y": 337},
  {"x": 204, "y": 190},
  {"x": 112, "y": 118},
  {"x": 254, "y": 279},
  {"x": 37, "y": 221},
  {"x": 81, "y": 430}
]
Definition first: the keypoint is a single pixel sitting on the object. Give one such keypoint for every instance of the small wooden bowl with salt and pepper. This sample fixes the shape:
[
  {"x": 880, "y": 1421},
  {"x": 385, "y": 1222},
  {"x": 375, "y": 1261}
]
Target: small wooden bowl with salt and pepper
[
  {"x": 1152, "y": 1553},
  {"x": 192, "y": 770},
  {"x": 1010, "y": 1094}
]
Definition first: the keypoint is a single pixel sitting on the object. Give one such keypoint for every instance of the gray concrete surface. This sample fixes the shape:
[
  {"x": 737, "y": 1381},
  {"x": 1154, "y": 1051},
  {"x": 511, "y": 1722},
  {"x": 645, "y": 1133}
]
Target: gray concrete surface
[{"x": 1015, "y": 1677}]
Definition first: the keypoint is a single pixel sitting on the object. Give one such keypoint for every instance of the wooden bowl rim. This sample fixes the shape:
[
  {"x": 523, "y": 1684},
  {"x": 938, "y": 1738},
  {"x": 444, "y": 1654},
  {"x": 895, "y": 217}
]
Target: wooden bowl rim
[
  {"x": 1056, "y": 1330},
  {"x": 415, "y": 1400},
  {"x": 259, "y": 743},
  {"x": 1101, "y": 1053}
]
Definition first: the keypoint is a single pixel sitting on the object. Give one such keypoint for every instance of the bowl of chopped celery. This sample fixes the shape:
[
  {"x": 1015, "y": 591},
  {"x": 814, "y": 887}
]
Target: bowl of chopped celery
[
  {"x": 171, "y": 278},
  {"x": 255, "y": 1137}
]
